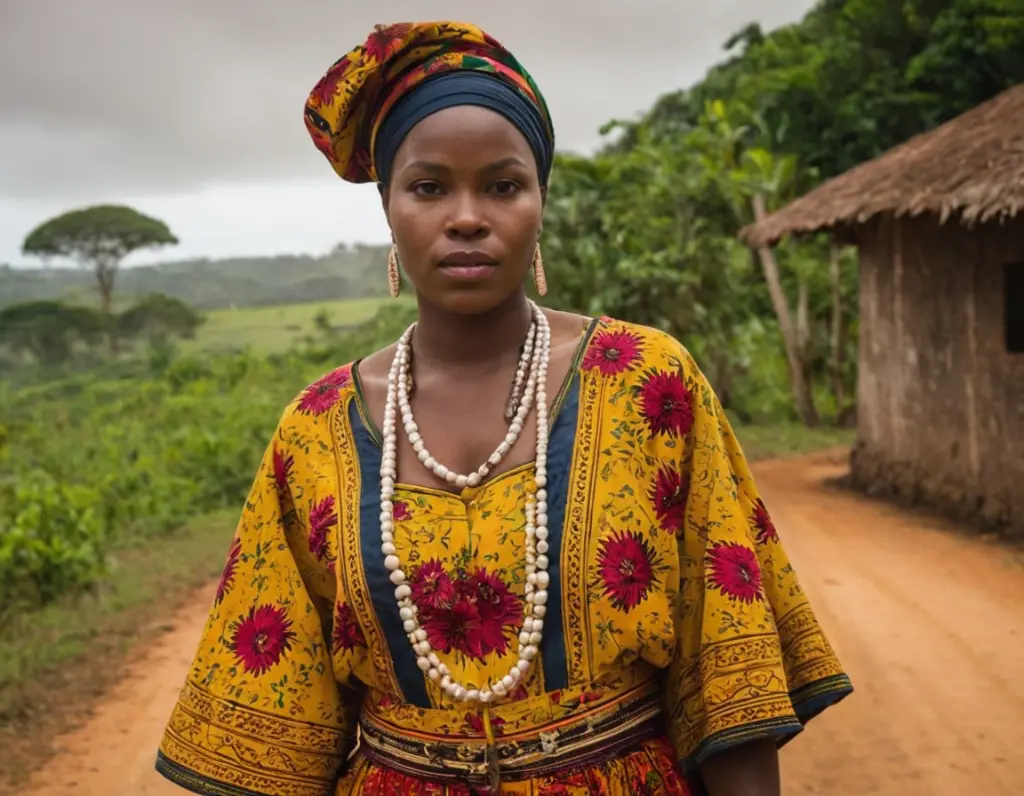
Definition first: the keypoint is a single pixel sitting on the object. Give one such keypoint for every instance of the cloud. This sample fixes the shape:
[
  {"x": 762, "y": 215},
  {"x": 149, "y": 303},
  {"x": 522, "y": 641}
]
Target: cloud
[{"x": 116, "y": 98}]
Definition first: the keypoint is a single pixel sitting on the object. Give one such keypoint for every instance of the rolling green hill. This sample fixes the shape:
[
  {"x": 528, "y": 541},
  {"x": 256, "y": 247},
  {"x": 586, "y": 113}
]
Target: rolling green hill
[{"x": 347, "y": 272}]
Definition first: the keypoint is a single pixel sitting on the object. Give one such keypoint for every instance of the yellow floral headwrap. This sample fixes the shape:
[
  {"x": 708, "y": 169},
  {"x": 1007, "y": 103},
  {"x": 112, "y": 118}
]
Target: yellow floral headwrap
[{"x": 345, "y": 109}]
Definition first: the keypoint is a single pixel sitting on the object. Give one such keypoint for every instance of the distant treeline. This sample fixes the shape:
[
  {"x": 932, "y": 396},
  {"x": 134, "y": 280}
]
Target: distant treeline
[{"x": 347, "y": 272}]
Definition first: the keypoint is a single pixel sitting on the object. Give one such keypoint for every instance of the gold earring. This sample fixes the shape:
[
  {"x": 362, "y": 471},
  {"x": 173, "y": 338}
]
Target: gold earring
[
  {"x": 539, "y": 278},
  {"x": 394, "y": 276}
]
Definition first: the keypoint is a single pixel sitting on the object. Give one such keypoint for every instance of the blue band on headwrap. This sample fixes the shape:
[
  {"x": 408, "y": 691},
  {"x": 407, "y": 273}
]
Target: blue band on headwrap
[{"x": 453, "y": 89}]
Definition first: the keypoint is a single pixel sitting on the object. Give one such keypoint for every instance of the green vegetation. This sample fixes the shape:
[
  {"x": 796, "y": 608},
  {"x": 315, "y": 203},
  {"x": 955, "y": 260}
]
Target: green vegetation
[
  {"x": 278, "y": 329},
  {"x": 107, "y": 458},
  {"x": 346, "y": 272},
  {"x": 99, "y": 459}
]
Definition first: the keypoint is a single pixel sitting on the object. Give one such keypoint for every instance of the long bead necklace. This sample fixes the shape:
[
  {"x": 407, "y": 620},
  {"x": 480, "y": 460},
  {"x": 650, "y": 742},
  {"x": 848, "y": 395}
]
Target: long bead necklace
[{"x": 533, "y": 369}]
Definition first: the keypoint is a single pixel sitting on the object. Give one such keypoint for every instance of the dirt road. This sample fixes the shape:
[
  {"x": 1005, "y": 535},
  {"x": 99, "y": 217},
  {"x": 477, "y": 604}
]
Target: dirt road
[{"x": 930, "y": 625}]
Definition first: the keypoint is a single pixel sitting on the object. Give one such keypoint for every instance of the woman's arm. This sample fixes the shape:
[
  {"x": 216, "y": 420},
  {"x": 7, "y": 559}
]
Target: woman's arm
[{"x": 750, "y": 769}]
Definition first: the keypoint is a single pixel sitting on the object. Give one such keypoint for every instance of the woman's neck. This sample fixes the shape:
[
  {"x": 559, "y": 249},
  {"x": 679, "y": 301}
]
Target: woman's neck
[{"x": 453, "y": 340}]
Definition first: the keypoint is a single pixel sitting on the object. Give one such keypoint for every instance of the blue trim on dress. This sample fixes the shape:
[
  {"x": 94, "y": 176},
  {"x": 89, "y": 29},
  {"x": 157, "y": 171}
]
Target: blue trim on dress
[
  {"x": 561, "y": 444},
  {"x": 382, "y": 590}
]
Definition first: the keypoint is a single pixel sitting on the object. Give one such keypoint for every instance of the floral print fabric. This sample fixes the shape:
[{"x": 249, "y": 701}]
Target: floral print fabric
[
  {"x": 345, "y": 108},
  {"x": 668, "y": 576}
]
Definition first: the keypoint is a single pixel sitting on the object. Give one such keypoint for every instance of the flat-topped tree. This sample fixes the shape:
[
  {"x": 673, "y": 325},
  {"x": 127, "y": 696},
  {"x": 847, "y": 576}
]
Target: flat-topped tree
[{"x": 99, "y": 238}]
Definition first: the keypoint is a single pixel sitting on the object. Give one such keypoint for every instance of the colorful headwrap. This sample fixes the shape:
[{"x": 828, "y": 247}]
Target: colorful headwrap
[{"x": 346, "y": 109}]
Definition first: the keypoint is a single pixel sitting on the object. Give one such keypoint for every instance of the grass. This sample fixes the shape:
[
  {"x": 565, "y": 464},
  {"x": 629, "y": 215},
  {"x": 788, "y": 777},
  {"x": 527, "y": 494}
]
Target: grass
[
  {"x": 790, "y": 439},
  {"x": 276, "y": 329},
  {"x": 55, "y": 661}
]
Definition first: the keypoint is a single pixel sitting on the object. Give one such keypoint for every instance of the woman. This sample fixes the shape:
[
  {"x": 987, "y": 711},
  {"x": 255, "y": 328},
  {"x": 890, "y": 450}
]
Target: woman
[{"x": 518, "y": 551}]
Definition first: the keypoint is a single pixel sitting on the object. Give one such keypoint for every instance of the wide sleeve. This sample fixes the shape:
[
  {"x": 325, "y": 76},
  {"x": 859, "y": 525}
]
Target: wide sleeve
[
  {"x": 751, "y": 660},
  {"x": 262, "y": 712}
]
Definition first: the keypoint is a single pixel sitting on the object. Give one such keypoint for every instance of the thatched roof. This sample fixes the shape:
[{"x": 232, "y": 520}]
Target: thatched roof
[{"x": 972, "y": 168}]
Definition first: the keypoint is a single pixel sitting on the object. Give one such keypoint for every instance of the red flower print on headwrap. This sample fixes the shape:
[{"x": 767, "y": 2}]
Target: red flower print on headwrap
[
  {"x": 386, "y": 39},
  {"x": 735, "y": 572},
  {"x": 326, "y": 88},
  {"x": 627, "y": 567},
  {"x": 669, "y": 493},
  {"x": 666, "y": 404},
  {"x": 613, "y": 352},
  {"x": 262, "y": 638},
  {"x": 762, "y": 523},
  {"x": 324, "y": 393}
]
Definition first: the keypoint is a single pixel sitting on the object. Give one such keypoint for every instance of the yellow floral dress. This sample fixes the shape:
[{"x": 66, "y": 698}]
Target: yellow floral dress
[{"x": 676, "y": 626}]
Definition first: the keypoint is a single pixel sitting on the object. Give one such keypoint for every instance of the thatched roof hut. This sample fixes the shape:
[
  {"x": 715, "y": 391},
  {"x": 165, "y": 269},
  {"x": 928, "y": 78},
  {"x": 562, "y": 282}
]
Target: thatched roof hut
[
  {"x": 971, "y": 168},
  {"x": 939, "y": 227}
]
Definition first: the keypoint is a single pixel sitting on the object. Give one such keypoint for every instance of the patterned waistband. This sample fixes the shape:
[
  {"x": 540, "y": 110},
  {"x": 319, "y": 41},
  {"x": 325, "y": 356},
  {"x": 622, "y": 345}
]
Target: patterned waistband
[{"x": 586, "y": 738}]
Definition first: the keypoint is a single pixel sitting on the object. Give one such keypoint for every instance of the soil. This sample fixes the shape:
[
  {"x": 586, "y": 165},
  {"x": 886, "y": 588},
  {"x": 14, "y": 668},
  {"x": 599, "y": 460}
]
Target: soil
[{"x": 928, "y": 622}]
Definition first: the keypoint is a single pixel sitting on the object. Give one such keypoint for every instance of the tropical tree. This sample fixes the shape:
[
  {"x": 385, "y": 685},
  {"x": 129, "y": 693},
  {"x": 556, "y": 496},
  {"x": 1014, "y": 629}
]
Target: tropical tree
[{"x": 98, "y": 238}]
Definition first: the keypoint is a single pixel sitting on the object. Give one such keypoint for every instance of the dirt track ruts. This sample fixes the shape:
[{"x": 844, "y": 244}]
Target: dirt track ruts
[{"x": 929, "y": 624}]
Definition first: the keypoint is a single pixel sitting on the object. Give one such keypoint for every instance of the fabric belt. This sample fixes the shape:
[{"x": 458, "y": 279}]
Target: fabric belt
[{"x": 584, "y": 739}]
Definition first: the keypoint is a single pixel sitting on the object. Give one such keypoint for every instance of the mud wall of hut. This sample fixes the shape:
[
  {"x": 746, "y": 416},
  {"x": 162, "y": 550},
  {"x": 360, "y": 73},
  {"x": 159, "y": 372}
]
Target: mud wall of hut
[{"x": 940, "y": 398}]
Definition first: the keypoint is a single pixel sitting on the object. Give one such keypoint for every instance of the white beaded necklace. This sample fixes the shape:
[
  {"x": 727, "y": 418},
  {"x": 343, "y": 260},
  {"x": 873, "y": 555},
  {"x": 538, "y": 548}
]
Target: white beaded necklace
[{"x": 533, "y": 368}]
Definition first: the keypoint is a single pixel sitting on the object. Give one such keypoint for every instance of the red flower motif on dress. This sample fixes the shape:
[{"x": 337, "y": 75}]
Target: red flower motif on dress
[
  {"x": 347, "y": 634},
  {"x": 669, "y": 493},
  {"x": 322, "y": 517},
  {"x": 457, "y": 627},
  {"x": 262, "y": 638},
  {"x": 402, "y": 511},
  {"x": 473, "y": 614},
  {"x": 627, "y": 567},
  {"x": 735, "y": 572},
  {"x": 613, "y": 352},
  {"x": 432, "y": 589},
  {"x": 227, "y": 575},
  {"x": 666, "y": 404},
  {"x": 325, "y": 392},
  {"x": 474, "y": 724},
  {"x": 498, "y": 608},
  {"x": 282, "y": 469},
  {"x": 762, "y": 521}
]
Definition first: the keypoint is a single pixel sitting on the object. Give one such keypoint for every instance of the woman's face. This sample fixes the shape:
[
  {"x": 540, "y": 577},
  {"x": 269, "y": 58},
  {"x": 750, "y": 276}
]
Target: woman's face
[{"x": 465, "y": 205}]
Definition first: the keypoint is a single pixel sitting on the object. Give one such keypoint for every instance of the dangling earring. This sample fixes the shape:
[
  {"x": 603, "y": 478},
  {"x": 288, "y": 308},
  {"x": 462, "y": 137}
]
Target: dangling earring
[
  {"x": 539, "y": 279},
  {"x": 394, "y": 276}
]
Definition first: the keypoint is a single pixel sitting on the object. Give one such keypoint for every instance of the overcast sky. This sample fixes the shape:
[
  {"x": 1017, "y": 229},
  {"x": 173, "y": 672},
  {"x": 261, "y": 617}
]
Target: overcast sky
[{"x": 191, "y": 110}]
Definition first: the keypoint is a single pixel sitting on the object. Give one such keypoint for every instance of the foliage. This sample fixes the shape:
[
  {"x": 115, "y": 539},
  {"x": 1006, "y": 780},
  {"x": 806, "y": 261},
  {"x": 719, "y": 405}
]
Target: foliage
[
  {"x": 91, "y": 462},
  {"x": 47, "y": 330},
  {"x": 99, "y": 238},
  {"x": 159, "y": 318},
  {"x": 855, "y": 78}
]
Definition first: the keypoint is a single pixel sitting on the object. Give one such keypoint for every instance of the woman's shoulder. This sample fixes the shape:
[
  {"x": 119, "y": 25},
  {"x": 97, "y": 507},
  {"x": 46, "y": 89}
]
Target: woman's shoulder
[{"x": 623, "y": 347}]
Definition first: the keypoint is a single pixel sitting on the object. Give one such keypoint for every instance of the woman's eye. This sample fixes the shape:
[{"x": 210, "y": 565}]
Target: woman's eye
[
  {"x": 505, "y": 187},
  {"x": 427, "y": 188}
]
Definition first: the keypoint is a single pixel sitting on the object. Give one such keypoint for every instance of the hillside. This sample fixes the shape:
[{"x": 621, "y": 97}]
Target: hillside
[{"x": 347, "y": 272}]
